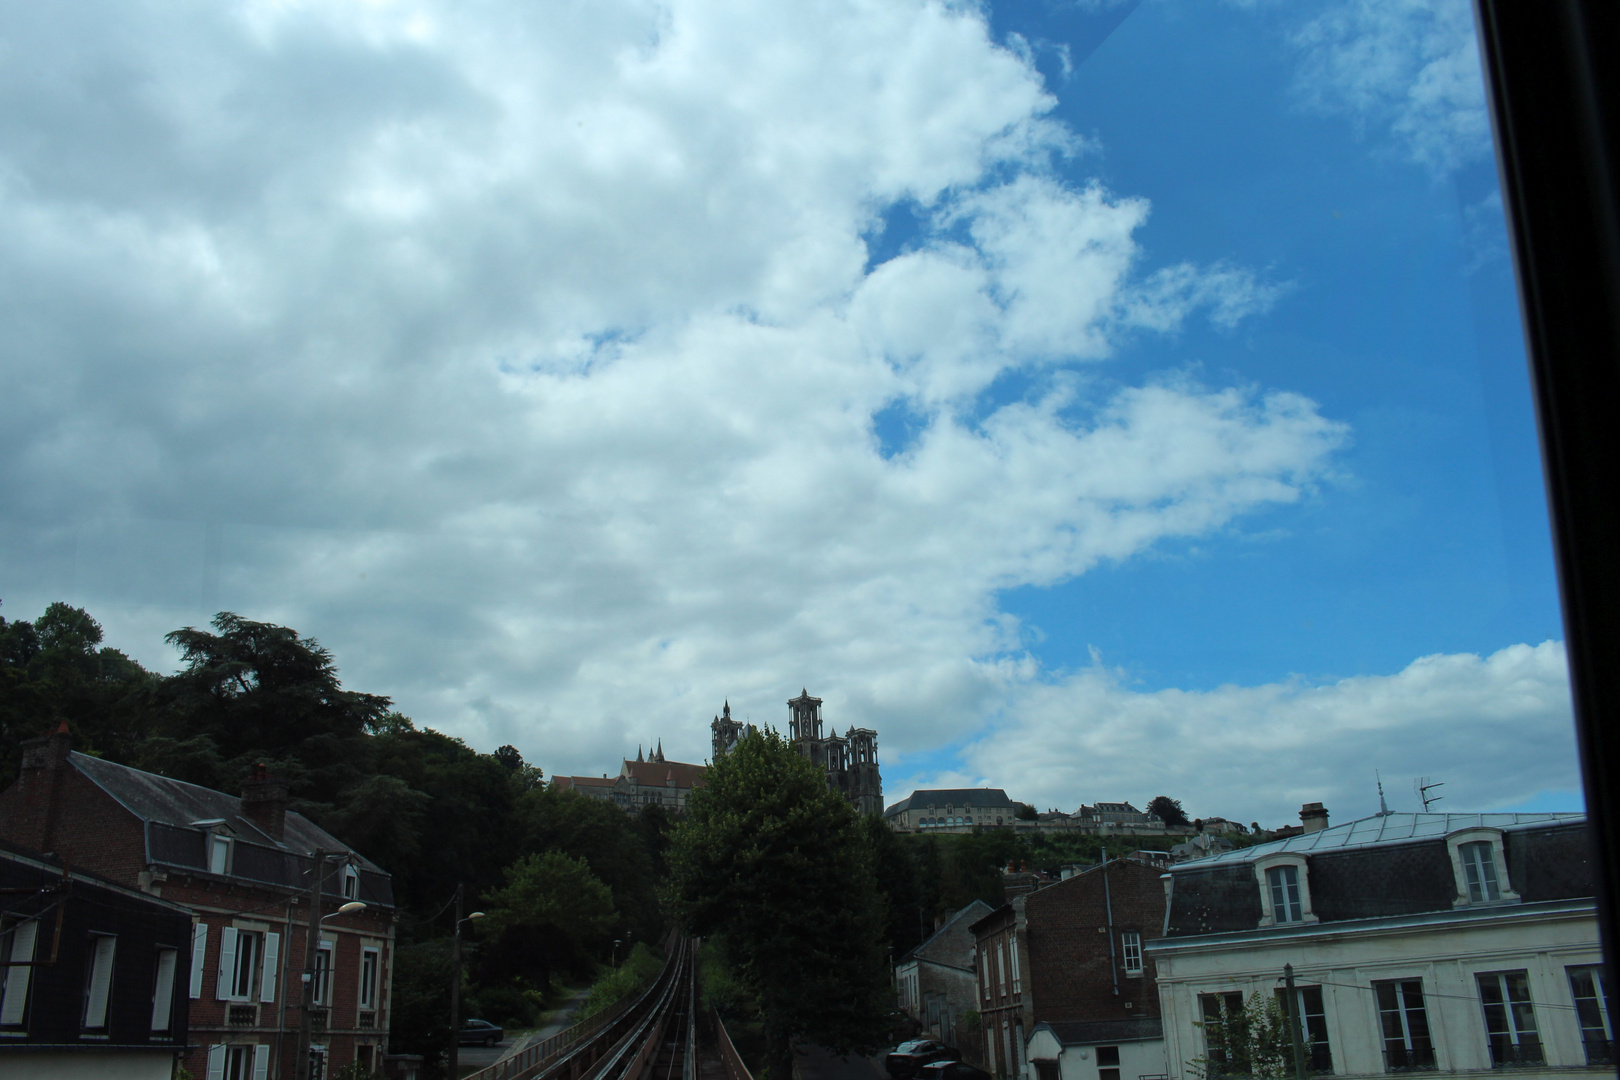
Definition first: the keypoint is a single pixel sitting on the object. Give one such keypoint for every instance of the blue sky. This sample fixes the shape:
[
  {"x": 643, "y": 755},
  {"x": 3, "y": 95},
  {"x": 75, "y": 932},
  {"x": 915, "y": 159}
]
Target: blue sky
[{"x": 1100, "y": 400}]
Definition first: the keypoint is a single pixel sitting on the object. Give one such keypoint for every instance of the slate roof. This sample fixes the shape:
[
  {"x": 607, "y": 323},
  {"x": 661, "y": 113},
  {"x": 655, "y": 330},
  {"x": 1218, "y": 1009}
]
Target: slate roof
[
  {"x": 1388, "y": 829},
  {"x": 170, "y": 810},
  {"x": 974, "y": 912},
  {"x": 977, "y": 798},
  {"x": 566, "y": 782},
  {"x": 1103, "y": 1032}
]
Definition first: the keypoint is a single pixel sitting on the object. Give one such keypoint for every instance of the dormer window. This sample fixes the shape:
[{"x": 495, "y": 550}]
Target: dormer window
[
  {"x": 1285, "y": 889},
  {"x": 219, "y": 854},
  {"x": 1479, "y": 866},
  {"x": 1283, "y": 881},
  {"x": 351, "y": 882}
]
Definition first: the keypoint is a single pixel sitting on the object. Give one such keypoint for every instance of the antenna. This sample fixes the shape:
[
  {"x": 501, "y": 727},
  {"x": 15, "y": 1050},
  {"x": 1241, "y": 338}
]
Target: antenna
[
  {"x": 1383, "y": 807},
  {"x": 1422, "y": 786}
]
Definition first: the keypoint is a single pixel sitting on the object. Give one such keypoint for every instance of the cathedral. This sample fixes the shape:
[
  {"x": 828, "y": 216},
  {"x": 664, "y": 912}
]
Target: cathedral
[{"x": 850, "y": 759}]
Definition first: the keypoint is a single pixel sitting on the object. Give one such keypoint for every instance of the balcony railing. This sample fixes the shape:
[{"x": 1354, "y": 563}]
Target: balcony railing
[
  {"x": 1506, "y": 1054},
  {"x": 1417, "y": 1059},
  {"x": 242, "y": 1016}
]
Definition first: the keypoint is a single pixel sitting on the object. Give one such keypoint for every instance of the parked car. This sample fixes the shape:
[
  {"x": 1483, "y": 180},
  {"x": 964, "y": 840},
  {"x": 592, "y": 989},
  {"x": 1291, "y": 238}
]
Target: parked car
[
  {"x": 480, "y": 1033},
  {"x": 904, "y": 1061},
  {"x": 950, "y": 1070}
]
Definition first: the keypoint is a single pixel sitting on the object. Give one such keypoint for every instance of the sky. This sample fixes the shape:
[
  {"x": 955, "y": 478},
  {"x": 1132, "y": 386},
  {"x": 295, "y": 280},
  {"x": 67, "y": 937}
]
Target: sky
[{"x": 1099, "y": 399}]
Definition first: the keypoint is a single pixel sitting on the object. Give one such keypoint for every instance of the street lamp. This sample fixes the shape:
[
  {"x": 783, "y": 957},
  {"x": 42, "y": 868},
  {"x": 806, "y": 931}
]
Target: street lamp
[
  {"x": 455, "y": 985},
  {"x": 616, "y": 952}
]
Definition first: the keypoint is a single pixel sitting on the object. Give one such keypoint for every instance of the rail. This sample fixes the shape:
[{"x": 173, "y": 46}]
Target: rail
[
  {"x": 733, "y": 1062},
  {"x": 647, "y": 1038}
]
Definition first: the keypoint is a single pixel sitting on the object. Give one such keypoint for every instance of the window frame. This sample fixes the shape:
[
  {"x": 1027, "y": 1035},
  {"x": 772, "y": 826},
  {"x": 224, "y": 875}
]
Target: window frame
[
  {"x": 1318, "y": 1051},
  {"x": 100, "y": 969},
  {"x": 1130, "y": 941},
  {"x": 20, "y": 941},
  {"x": 370, "y": 988},
  {"x": 1262, "y": 874},
  {"x": 1455, "y": 842},
  {"x": 1602, "y": 1003},
  {"x": 1404, "y": 1010},
  {"x": 1511, "y": 1015},
  {"x": 163, "y": 984}
]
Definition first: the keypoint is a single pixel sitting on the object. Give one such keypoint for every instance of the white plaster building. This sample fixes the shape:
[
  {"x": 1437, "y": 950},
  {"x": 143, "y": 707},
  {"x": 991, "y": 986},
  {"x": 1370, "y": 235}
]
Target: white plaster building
[{"x": 1420, "y": 943}]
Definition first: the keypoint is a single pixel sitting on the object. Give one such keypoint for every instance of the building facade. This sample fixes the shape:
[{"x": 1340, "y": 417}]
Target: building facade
[
  {"x": 649, "y": 780},
  {"x": 849, "y": 759},
  {"x": 241, "y": 867},
  {"x": 1001, "y": 958},
  {"x": 1094, "y": 1002},
  {"x": 952, "y": 810},
  {"x": 1428, "y": 943},
  {"x": 91, "y": 974},
  {"x": 935, "y": 980}
]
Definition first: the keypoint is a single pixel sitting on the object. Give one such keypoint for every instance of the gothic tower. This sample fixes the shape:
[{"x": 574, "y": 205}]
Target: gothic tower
[{"x": 726, "y": 732}]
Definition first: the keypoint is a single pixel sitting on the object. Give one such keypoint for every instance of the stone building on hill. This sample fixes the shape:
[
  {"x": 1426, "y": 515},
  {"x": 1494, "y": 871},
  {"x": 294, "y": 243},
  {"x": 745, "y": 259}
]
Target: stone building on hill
[
  {"x": 850, "y": 759},
  {"x": 650, "y": 780},
  {"x": 952, "y": 810}
]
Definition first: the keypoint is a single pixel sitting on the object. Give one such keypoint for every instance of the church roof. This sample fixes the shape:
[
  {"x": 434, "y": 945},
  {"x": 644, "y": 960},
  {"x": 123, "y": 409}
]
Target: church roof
[{"x": 657, "y": 773}]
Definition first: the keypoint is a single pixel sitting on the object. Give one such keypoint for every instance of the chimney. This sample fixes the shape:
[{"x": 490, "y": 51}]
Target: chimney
[
  {"x": 39, "y": 787},
  {"x": 264, "y": 801},
  {"x": 1313, "y": 817}
]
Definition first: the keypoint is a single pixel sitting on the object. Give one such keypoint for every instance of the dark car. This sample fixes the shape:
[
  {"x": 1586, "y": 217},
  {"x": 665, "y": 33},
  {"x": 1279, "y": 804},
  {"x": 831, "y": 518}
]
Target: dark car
[
  {"x": 480, "y": 1033},
  {"x": 950, "y": 1070},
  {"x": 908, "y": 1057}
]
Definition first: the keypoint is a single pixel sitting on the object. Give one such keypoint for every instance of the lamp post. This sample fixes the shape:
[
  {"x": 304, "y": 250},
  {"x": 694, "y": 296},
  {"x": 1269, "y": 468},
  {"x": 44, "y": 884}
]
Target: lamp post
[
  {"x": 455, "y": 986},
  {"x": 616, "y": 952},
  {"x": 306, "y": 1021}
]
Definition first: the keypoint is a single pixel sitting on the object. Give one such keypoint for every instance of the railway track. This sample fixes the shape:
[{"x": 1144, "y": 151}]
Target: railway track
[{"x": 653, "y": 1037}]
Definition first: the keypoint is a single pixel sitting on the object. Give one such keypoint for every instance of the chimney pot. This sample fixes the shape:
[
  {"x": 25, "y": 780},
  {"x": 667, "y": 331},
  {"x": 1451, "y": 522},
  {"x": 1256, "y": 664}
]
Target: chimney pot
[
  {"x": 1313, "y": 816},
  {"x": 264, "y": 801}
]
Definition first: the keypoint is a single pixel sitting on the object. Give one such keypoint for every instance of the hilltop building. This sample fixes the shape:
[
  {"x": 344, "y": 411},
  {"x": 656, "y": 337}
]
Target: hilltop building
[
  {"x": 649, "y": 780},
  {"x": 952, "y": 810},
  {"x": 850, "y": 760}
]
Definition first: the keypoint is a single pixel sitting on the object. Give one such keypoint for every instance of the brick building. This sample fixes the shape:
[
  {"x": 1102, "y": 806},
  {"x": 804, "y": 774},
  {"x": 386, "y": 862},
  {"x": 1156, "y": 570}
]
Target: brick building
[
  {"x": 242, "y": 867},
  {"x": 1001, "y": 958},
  {"x": 1094, "y": 1000},
  {"x": 935, "y": 980},
  {"x": 90, "y": 974}
]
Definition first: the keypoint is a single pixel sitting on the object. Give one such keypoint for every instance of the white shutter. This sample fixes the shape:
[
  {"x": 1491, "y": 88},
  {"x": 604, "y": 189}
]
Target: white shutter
[
  {"x": 199, "y": 949},
  {"x": 101, "y": 969},
  {"x": 227, "y": 963},
  {"x": 272, "y": 958},
  {"x": 163, "y": 994},
  {"x": 261, "y": 1061},
  {"x": 216, "y": 1062},
  {"x": 22, "y": 950}
]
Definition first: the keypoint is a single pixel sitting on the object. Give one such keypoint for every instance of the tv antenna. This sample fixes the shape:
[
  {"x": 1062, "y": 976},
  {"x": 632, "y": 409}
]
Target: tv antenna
[{"x": 1422, "y": 786}]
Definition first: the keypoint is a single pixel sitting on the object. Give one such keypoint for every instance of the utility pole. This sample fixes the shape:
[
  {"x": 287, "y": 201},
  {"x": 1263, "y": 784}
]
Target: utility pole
[
  {"x": 312, "y": 939},
  {"x": 1294, "y": 1022},
  {"x": 455, "y": 992}
]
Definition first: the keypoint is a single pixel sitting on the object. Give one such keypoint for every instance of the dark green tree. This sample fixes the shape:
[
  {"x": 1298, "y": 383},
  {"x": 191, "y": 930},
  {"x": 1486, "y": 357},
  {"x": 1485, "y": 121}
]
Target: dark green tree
[
  {"x": 779, "y": 865},
  {"x": 552, "y": 913},
  {"x": 1167, "y": 810}
]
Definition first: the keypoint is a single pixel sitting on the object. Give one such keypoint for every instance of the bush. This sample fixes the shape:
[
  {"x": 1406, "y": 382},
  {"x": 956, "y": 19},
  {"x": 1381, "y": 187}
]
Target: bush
[{"x": 638, "y": 969}]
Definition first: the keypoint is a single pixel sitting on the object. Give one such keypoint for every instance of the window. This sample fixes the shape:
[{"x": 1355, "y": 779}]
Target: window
[
  {"x": 1131, "y": 946},
  {"x": 323, "y": 973},
  {"x": 351, "y": 882},
  {"x": 317, "y": 1062},
  {"x": 239, "y": 954},
  {"x": 1313, "y": 1025},
  {"x": 17, "y": 944},
  {"x": 98, "y": 981},
  {"x": 1405, "y": 1025},
  {"x": 238, "y": 1062},
  {"x": 1591, "y": 992},
  {"x": 1012, "y": 949},
  {"x": 1107, "y": 1063},
  {"x": 1510, "y": 1020},
  {"x": 1001, "y": 966},
  {"x": 370, "y": 961},
  {"x": 1480, "y": 872},
  {"x": 219, "y": 854},
  {"x": 1283, "y": 881},
  {"x": 984, "y": 974},
  {"x": 1216, "y": 1008},
  {"x": 163, "y": 988}
]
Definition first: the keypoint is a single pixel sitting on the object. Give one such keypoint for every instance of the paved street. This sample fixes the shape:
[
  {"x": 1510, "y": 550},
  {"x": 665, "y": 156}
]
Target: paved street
[{"x": 817, "y": 1063}]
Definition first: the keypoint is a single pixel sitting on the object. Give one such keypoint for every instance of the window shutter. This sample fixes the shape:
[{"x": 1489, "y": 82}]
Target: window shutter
[
  {"x": 163, "y": 993},
  {"x": 272, "y": 959},
  {"x": 216, "y": 1062},
  {"x": 199, "y": 949},
  {"x": 227, "y": 962},
  {"x": 101, "y": 968},
  {"x": 261, "y": 1059},
  {"x": 22, "y": 950}
]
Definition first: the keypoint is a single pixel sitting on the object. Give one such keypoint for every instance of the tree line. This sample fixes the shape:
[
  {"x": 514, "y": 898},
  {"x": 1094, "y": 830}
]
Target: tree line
[{"x": 805, "y": 901}]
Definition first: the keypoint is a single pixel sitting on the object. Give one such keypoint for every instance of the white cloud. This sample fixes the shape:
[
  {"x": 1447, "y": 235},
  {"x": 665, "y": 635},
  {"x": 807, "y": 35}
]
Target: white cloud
[
  {"x": 529, "y": 358},
  {"x": 1496, "y": 730},
  {"x": 1406, "y": 67}
]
